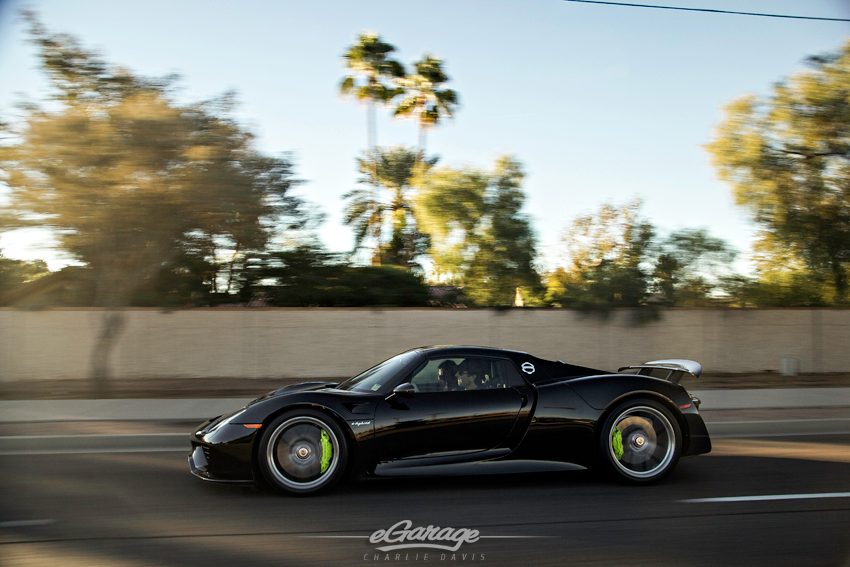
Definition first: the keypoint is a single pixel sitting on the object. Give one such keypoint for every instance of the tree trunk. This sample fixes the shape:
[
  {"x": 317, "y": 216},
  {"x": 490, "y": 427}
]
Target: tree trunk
[
  {"x": 421, "y": 143},
  {"x": 232, "y": 264},
  {"x": 839, "y": 278},
  {"x": 111, "y": 293},
  {"x": 115, "y": 290},
  {"x": 371, "y": 126},
  {"x": 112, "y": 323}
]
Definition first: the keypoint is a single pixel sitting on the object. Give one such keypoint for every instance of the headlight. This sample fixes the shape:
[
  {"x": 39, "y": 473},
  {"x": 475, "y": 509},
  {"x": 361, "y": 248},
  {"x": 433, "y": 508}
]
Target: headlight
[{"x": 225, "y": 420}]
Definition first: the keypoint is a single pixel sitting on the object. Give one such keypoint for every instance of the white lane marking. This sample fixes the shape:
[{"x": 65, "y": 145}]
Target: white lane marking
[
  {"x": 481, "y": 537},
  {"x": 518, "y": 536},
  {"x": 770, "y": 497},
  {"x": 26, "y": 523},
  {"x": 335, "y": 536},
  {"x": 840, "y": 419}
]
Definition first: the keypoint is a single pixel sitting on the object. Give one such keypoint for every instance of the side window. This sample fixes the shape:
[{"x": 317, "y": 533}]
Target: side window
[
  {"x": 508, "y": 374},
  {"x": 469, "y": 373},
  {"x": 439, "y": 375}
]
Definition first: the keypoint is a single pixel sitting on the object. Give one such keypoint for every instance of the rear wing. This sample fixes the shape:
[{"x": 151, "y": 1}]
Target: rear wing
[{"x": 672, "y": 369}]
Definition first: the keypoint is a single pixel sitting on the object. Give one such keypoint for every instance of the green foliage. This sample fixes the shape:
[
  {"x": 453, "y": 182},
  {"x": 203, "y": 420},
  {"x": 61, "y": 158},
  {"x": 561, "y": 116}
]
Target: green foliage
[
  {"x": 607, "y": 257},
  {"x": 368, "y": 58},
  {"x": 614, "y": 259},
  {"x": 787, "y": 158},
  {"x": 423, "y": 99},
  {"x": 480, "y": 239},
  {"x": 185, "y": 281},
  {"x": 308, "y": 277},
  {"x": 16, "y": 272},
  {"x": 793, "y": 289},
  {"x": 782, "y": 279},
  {"x": 382, "y": 211},
  {"x": 690, "y": 266}
]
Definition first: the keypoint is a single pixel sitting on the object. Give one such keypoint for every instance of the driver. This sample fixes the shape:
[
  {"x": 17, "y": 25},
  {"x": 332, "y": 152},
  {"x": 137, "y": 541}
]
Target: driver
[{"x": 470, "y": 375}]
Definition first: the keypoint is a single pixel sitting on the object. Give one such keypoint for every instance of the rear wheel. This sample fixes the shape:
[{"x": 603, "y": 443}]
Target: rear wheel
[
  {"x": 641, "y": 441},
  {"x": 303, "y": 452}
]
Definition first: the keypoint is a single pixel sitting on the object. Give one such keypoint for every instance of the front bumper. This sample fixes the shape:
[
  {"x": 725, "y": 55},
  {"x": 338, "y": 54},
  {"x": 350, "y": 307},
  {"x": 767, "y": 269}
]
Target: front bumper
[
  {"x": 198, "y": 466},
  {"x": 222, "y": 453}
]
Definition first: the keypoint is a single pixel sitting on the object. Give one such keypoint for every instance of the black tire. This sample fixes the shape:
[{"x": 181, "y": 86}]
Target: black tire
[
  {"x": 291, "y": 450},
  {"x": 650, "y": 441}
]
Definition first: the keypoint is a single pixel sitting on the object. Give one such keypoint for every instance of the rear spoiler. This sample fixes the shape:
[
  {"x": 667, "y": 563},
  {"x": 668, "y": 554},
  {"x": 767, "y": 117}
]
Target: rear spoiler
[{"x": 676, "y": 368}]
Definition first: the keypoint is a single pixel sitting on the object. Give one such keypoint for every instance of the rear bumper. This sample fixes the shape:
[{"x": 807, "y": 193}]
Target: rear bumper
[{"x": 700, "y": 442}]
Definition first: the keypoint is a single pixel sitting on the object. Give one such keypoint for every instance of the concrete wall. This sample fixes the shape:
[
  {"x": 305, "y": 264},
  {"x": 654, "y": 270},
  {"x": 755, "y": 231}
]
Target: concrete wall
[{"x": 200, "y": 343}]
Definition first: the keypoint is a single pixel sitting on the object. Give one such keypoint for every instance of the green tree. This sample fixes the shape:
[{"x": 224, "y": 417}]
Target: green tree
[
  {"x": 450, "y": 206},
  {"x": 423, "y": 98},
  {"x": 608, "y": 258},
  {"x": 16, "y": 272},
  {"x": 787, "y": 158},
  {"x": 128, "y": 178},
  {"x": 782, "y": 279},
  {"x": 372, "y": 75},
  {"x": 691, "y": 267},
  {"x": 480, "y": 237},
  {"x": 383, "y": 214}
]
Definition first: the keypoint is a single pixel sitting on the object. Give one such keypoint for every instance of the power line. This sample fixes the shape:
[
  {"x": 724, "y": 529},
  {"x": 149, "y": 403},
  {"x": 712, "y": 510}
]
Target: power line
[{"x": 710, "y": 10}]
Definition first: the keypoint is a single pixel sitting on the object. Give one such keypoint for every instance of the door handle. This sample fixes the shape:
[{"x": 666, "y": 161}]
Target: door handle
[{"x": 524, "y": 400}]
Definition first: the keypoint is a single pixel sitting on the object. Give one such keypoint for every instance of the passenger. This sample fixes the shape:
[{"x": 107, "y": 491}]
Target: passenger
[{"x": 447, "y": 375}]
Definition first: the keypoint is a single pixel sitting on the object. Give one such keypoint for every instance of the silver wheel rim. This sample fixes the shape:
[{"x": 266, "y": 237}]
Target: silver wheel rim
[
  {"x": 294, "y": 453},
  {"x": 648, "y": 442}
]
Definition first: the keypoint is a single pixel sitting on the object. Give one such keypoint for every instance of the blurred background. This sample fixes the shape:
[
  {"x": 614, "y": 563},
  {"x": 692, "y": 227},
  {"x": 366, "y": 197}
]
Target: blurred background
[{"x": 205, "y": 202}]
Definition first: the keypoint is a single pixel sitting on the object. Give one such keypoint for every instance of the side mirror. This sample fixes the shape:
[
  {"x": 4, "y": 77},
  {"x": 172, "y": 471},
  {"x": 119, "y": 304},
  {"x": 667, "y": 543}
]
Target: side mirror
[{"x": 406, "y": 390}]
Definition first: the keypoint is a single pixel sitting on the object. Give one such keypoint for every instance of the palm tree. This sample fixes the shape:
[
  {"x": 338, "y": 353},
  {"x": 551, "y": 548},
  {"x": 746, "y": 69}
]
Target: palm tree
[
  {"x": 424, "y": 100},
  {"x": 368, "y": 60},
  {"x": 385, "y": 215}
]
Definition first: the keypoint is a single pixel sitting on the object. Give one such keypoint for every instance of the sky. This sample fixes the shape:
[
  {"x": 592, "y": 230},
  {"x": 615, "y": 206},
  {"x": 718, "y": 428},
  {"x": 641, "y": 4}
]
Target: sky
[{"x": 599, "y": 103}]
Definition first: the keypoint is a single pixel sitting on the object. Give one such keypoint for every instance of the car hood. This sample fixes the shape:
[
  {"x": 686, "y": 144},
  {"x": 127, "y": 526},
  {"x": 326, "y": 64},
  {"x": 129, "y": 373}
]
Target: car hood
[{"x": 305, "y": 387}]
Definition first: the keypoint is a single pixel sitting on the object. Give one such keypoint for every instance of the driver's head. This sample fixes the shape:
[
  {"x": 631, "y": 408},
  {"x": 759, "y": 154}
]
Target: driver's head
[{"x": 469, "y": 372}]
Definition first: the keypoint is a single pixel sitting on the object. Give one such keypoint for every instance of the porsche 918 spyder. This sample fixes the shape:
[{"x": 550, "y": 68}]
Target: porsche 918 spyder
[{"x": 458, "y": 410}]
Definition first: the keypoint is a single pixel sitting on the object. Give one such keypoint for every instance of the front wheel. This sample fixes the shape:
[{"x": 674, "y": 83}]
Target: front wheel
[
  {"x": 302, "y": 452},
  {"x": 640, "y": 441}
]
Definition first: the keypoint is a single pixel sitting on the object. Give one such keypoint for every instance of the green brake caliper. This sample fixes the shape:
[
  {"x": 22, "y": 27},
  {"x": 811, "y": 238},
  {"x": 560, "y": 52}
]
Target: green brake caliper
[
  {"x": 328, "y": 450},
  {"x": 616, "y": 442}
]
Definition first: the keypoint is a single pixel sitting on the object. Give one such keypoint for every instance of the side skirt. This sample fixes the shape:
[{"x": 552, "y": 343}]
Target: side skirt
[{"x": 475, "y": 468}]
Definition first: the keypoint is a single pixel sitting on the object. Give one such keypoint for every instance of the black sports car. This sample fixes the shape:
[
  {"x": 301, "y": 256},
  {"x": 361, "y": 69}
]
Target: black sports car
[{"x": 457, "y": 410}]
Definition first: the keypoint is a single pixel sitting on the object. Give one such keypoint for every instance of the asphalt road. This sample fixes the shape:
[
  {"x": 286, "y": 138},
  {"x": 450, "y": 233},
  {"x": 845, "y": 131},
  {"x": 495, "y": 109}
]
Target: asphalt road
[{"x": 146, "y": 509}]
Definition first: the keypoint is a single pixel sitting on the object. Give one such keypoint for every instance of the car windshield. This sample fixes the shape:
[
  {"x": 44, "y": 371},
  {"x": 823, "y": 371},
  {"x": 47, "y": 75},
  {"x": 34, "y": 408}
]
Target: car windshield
[{"x": 378, "y": 375}]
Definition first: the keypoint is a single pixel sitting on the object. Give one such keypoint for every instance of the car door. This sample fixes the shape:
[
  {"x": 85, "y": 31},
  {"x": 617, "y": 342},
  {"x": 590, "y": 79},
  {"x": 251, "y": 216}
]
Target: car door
[{"x": 437, "y": 422}]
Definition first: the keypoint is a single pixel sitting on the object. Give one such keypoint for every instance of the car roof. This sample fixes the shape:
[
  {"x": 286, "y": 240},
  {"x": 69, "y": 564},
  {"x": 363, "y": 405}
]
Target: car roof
[
  {"x": 467, "y": 350},
  {"x": 541, "y": 369}
]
